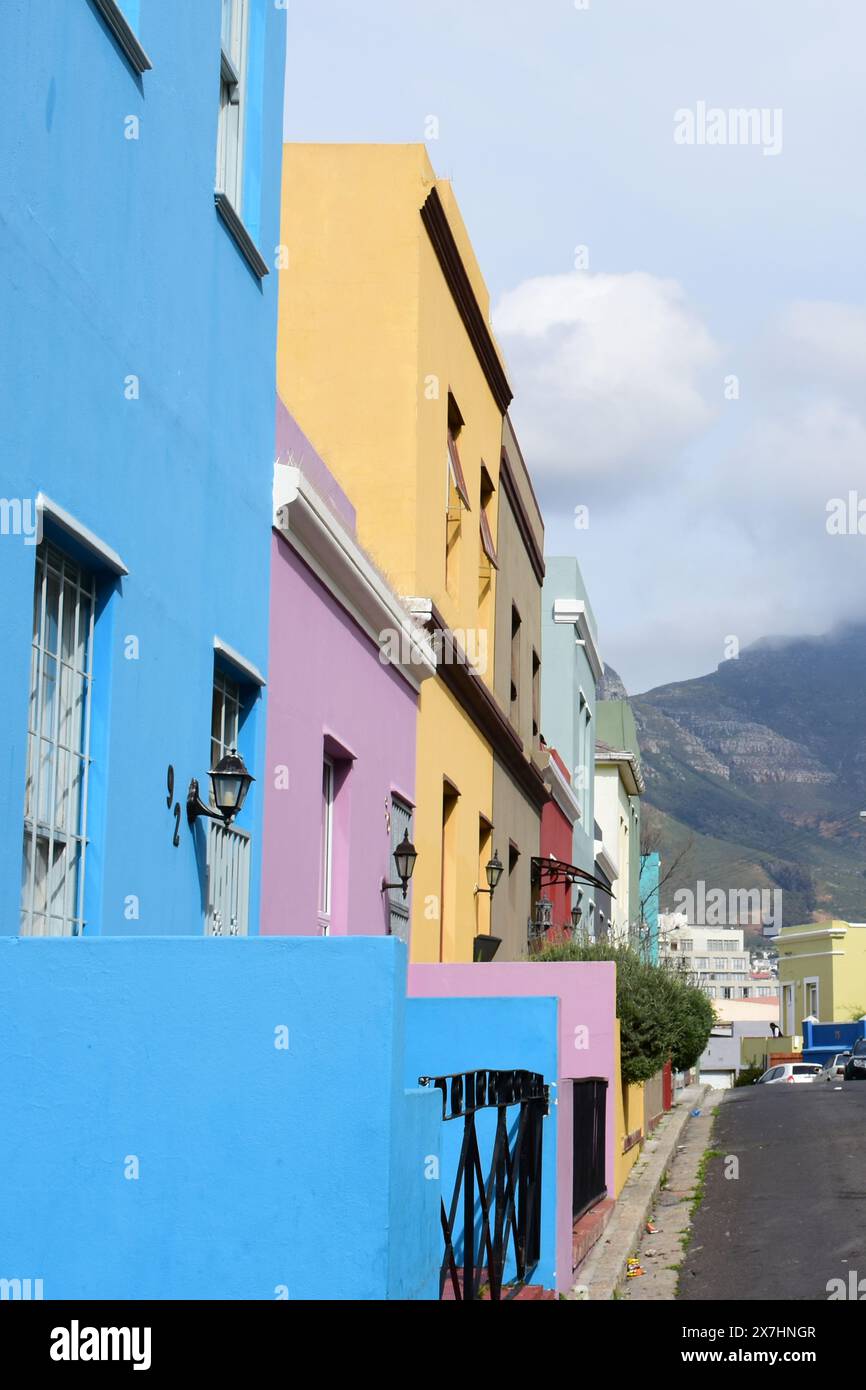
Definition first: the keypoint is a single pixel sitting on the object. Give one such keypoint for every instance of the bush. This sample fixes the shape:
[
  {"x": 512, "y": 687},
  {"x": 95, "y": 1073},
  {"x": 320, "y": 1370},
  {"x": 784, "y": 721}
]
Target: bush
[
  {"x": 748, "y": 1076},
  {"x": 661, "y": 1016}
]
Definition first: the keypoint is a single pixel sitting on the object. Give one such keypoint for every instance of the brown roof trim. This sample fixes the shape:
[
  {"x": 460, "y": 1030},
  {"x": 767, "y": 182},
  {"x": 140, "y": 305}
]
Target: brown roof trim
[
  {"x": 434, "y": 217},
  {"x": 524, "y": 526},
  {"x": 473, "y": 696}
]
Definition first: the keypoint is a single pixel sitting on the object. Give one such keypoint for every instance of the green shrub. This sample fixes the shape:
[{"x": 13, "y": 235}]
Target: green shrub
[{"x": 662, "y": 1016}]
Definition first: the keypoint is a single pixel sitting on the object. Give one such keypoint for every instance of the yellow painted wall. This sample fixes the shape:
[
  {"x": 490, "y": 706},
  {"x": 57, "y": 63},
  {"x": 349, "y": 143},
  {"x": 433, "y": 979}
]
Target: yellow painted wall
[
  {"x": 629, "y": 1103},
  {"x": 370, "y": 343},
  {"x": 834, "y": 953}
]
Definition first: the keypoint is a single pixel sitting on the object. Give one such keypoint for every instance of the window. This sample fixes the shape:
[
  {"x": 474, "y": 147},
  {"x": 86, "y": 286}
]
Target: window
[
  {"x": 515, "y": 666},
  {"x": 727, "y": 993},
  {"x": 488, "y": 561},
  {"x": 702, "y": 962},
  {"x": 710, "y": 991},
  {"x": 582, "y": 776},
  {"x": 456, "y": 497},
  {"x": 536, "y": 694},
  {"x": 230, "y": 138},
  {"x": 398, "y": 906},
  {"x": 228, "y": 847},
  {"x": 58, "y": 747},
  {"x": 225, "y": 719},
  {"x": 326, "y": 865},
  {"x": 810, "y": 988},
  {"x": 122, "y": 27},
  {"x": 686, "y": 945},
  {"x": 720, "y": 963}
]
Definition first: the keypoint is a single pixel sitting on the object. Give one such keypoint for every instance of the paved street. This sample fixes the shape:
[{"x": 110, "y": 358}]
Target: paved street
[{"x": 796, "y": 1215}]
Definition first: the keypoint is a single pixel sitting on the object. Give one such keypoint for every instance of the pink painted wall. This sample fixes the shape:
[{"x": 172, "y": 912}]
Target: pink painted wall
[
  {"x": 587, "y": 1012},
  {"x": 328, "y": 692}
]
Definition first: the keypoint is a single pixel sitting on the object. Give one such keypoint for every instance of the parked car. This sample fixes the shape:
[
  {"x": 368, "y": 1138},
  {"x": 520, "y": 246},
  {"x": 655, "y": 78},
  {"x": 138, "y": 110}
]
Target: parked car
[
  {"x": 855, "y": 1067},
  {"x": 834, "y": 1068},
  {"x": 791, "y": 1072}
]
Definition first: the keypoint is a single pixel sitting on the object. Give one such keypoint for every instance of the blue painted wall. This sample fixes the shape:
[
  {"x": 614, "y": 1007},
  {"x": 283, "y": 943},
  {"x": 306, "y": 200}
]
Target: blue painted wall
[
  {"x": 259, "y": 1166},
  {"x": 565, "y": 671},
  {"x": 452, "y": 1035},
  {"x": 117, "y": 265},
  {"x": 821, "y": 1040},
  {"x": 650, "y": 872}
]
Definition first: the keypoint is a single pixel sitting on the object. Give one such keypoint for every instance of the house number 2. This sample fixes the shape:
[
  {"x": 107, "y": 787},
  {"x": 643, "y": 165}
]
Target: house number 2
[{"x": 169, "y": 782}]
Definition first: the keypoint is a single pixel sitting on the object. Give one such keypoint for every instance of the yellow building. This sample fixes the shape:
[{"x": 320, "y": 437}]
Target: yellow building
[
  {"x": 387, "y": 360},
  {"x": 822, "y": 973}
]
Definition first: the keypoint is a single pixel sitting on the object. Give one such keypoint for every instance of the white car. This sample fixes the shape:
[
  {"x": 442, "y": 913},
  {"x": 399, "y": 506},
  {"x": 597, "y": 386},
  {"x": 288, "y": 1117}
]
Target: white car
[
  {"x": 789, "y": 1071},
  {"x": 834, "y": 1068}
]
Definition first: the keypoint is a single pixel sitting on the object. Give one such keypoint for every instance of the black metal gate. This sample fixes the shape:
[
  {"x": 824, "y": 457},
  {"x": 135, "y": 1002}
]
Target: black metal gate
[
  {"x": 498, "y": 1211},
  {"x": 590, "y": 1103}
]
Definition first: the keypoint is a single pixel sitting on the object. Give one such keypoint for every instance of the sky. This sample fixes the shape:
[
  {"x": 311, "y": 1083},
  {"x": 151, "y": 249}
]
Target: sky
[{"x": 678, "y": 292}]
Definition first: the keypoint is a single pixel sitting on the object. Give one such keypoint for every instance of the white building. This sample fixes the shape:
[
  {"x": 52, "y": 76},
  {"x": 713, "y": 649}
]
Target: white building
[{"x": 715, "y": 956}]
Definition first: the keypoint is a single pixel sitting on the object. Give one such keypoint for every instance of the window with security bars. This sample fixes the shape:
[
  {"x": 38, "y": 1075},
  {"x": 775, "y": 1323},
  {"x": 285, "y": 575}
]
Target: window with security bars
[
  {"x": 58, "y": 747},
  {"x": 398, "y": 906},
  {"x": 228, "y": 847},
  {"x": 230, "y": 137}
]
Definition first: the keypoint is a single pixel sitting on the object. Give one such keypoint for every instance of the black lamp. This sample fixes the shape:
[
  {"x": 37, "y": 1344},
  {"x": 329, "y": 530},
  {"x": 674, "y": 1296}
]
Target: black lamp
[
  {"x": 230, "y": 781},
  {"x": 493, "y": 873},
  {"x": 404, "y": 857},
  {"x": 576, "y": 914}
]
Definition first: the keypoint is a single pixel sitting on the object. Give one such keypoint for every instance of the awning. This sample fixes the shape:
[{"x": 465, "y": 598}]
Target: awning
[{"x": 549, "y": 870}]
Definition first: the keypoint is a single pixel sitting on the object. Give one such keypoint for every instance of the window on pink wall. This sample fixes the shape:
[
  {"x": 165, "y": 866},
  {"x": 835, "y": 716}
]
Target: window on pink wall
[{"x": 326, "y": 862}]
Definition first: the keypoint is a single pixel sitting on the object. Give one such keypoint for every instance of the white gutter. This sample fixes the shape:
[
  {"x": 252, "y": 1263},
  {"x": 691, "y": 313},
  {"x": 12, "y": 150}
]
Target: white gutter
[
  {"x": 304, "y": 520},
  {"x": 573, "y": 612}
]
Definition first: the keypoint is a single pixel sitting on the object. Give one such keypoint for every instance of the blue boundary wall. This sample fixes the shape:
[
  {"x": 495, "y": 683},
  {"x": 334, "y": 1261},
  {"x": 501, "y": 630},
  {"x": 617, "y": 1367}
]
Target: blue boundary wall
[
  {"x": 221, "y": 1118},
  {"x": 821, "y": 1040},
  {"x": 469, "y": 1034}
]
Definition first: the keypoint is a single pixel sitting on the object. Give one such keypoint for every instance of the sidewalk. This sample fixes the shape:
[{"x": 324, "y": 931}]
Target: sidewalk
[{"x": 603, "y": 1272}]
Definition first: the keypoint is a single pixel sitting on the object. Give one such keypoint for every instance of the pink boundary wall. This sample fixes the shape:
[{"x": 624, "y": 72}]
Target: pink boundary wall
[{"x": 587, "y": 1000}]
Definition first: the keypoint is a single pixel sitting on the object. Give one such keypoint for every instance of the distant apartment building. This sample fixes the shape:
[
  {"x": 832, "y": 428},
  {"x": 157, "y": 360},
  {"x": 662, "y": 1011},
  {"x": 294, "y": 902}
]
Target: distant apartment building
[{"x": 715, "y": 956}]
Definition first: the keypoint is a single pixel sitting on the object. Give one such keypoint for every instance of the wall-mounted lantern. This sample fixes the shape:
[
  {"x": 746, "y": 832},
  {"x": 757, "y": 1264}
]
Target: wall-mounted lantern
[
  {"x": 404, "y": 857},
  {"x": 493, "y": 873},
  {"x": 230, "y": 781},
  {"x": 576, "y": 914}
]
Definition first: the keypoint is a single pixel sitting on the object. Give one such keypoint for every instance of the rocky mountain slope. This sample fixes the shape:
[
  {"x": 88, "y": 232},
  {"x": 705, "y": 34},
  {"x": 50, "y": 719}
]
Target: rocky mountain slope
[{"x": 762, "y": 764}]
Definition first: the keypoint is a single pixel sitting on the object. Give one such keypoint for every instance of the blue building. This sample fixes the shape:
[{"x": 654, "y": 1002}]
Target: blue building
[
  {"x": 569, "y": 672},
  {"x": 139, "y": 216},
  {"x": 650, "y": 873}
]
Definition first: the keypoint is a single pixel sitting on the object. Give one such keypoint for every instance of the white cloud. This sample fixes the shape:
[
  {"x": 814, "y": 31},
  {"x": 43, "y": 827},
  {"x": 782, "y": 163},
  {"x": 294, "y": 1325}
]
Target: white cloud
[{"x": 612, "y": 374}]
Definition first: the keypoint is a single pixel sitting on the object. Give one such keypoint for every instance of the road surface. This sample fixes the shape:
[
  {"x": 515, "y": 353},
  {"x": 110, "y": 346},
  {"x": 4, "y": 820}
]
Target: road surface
[{"x": 795, "y": 1216}]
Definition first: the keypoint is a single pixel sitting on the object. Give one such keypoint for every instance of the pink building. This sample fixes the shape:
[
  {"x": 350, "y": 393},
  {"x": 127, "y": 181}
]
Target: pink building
[
  {"x": 588, "y": 1057},
  {"x": 341, "y": 725}
]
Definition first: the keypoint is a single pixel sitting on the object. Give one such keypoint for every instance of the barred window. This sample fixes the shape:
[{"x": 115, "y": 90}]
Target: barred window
[{"x": 58, "y": 747}]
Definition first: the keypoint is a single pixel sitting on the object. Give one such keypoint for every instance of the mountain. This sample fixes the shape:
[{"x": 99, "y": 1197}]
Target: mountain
[{"x": 760, "y": 768}]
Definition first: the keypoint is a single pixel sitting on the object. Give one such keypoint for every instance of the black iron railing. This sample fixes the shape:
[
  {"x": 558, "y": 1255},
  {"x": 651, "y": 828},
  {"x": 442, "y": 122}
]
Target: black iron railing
[
  {"x": 590, "y": 1104},
  {"x": 500, "y": 1207}
]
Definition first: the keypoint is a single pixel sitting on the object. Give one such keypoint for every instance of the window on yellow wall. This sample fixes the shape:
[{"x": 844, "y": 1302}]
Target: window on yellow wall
[
  {"x": 487, "y": 555},
  {"x": 456, "y": 497}
]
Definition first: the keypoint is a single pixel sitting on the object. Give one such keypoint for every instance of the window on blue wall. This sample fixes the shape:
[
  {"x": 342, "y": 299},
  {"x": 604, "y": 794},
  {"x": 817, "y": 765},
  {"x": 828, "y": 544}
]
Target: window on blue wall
[
  {"x": 228, "y": 847},
  {"x": 58, "y": 747},
  {"x": 233, "y": 92}
]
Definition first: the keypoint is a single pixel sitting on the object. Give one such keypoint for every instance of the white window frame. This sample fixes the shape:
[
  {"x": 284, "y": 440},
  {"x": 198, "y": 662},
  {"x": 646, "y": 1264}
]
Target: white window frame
[
  {"x": 788, "y": 1001},
  {"x": 812, "y": 981},
  {"x": 228, "y": 847},
  {"x": 326, "y": 849},
  {"x": 231, "y": 703},
  {"x": 234, "y": 33},
  {"x": 58, "y": 748}
]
